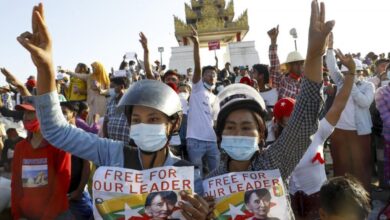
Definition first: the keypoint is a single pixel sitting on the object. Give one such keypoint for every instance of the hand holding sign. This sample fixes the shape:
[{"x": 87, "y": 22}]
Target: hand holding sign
[{"x": 196, "y": 208}]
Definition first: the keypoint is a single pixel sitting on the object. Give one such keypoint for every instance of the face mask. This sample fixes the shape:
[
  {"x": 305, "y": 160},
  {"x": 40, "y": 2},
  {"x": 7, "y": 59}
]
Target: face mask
[
  {"x": 111, "y": 92},
  {"x": 149, "y": 137},
  {"x": 31, "y": 126},
  {"x": 184, "y": 95},
  {"x": 220, "y": 88},
  {"x": 208, "y": 86},
  {"x": 239, "y": 148}
]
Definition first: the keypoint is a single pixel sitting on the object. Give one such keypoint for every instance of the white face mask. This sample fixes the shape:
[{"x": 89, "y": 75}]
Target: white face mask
[
  {"x": 184, "y": 95},
  {"x": 239, "y": 148},
  {"x": 149, "y": 137},
  {"x": 208, "y": 86}
]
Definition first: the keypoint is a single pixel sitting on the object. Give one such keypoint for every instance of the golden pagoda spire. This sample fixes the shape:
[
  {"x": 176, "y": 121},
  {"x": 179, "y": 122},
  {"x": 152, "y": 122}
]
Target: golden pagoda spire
[{"x": 211, "y": 17}]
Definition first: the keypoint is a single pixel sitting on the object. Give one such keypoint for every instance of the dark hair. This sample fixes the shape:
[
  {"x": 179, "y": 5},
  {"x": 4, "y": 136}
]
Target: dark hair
[
  {"x": 9, "y": 130},
  {"x": 84, "y": 68},
  {"x": 168, "y": 196},
  {"x": 170, "y": 72},
  {"x": 71, "y": 105},
  {"x": 255, "y": 110},
  {"x": 206, "y": 68},
  {"x": 380, "y": 61},
  {"x": 131, "y": 62},
  {"x": 121, "y": 81},
  {"x": 123, "y": 65},
  {"x": 236, "y": 68},
  {"x": 345, "y": 194},
  {"x": 263, "y": 194},
  {"x": 82, "y": 107},
  {"x": 262, "y": 69},
  {"x": 186, "y": 85}
]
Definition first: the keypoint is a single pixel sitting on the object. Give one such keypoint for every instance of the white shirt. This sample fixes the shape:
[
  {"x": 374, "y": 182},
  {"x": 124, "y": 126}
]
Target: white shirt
[
  {"x": 270, "y": 98},
  {"x": 347, "y": 118},
  {"x": 201, "y": 114},
  {"x": 184, "y": 105},
  {"x": 308, "y": 176},
  {"x": 238, "y": 79}
]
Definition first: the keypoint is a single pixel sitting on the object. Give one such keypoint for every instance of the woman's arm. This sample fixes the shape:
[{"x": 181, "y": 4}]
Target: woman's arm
[
  {"x": 77, "y": 194},
  {"x": 11, "y": 79},
  {"x": 289, "y": 148},
  {"x": 54, "y": 127},
  {"x": 148, "y": 68},
  {"x": 197, "y": 70},
  {"x": 334, "y": 113},
  {"x": 331, "y": 63},
  {"x": 78, "y": 75}
]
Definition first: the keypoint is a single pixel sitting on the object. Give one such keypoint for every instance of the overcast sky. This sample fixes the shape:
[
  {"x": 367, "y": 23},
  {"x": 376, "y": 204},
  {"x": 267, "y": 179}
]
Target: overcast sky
[{"x": 85, "y": 31}]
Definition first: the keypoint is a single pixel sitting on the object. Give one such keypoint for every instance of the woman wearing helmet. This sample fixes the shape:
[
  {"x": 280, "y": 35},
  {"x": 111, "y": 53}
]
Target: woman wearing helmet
[
  {"x": 241, "y": 129},
  {"x": 151, "y": 117}
]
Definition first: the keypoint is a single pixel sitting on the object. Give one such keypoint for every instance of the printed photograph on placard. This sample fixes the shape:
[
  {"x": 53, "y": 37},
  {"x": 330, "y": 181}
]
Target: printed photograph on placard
[
  {"x": 121, "y": 193},
  {"x": 248, "y": 195},
  {"x": 34, "y": 175}
]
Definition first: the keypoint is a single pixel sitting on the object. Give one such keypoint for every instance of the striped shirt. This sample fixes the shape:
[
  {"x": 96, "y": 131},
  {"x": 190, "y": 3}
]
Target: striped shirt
[{"x": 286, "y": 86}]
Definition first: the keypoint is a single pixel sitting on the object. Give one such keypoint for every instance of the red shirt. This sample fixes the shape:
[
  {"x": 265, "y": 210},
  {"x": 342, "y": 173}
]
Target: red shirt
[{"x": 40, "y": 181}]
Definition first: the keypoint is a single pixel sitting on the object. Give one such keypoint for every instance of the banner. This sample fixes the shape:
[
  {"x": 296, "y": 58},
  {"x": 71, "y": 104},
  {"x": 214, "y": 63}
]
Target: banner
[
  {"x": 126, "y": 194},
  {"x": 248, "y": 195}
]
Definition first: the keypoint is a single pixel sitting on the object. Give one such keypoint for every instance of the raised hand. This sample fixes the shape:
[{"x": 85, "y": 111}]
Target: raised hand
[
  {"x": 38, "y": 43},
  {"x": 11, "y": 79},
  {"x": 319, "y": 30},
  {"x": 194, "y": 35},
  {"x": 273, "y": 34},
  {"x": 143, "y": 40},
  {"x": 346, "y": 60}
]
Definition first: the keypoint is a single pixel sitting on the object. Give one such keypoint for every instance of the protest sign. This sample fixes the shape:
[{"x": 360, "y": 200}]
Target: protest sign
[
  {"x": 121, "y": 193},
  {"x": 130, "y": 55},
  {"x": 248, "y": 195},
  {"x": 214, "y": 45}
]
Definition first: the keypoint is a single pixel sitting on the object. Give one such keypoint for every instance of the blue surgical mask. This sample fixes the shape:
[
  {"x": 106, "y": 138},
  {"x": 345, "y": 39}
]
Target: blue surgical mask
[
  {"x": 208, "y": 86},
  {"x": 239, "y": 148},
  {"x": 149, "y": 137}
]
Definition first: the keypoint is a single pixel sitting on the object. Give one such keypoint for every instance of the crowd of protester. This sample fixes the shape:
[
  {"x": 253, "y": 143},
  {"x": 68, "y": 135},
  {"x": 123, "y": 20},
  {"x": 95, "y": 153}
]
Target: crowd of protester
[{"x": 234, "y": 119}]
